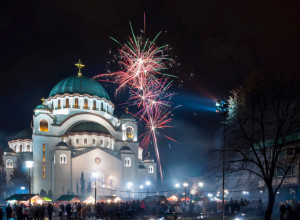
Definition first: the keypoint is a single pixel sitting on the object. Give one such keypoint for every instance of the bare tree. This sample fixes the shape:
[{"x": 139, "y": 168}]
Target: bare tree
[{"x": 263, "y": 119}]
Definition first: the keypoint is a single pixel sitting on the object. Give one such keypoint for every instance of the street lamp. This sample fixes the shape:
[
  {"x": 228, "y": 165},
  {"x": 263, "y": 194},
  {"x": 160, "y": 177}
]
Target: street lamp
[
  {"x": 148, "y": 183},
  {"x": 185, "y": 185},
  {"x": 95, "y": 175},
  {"x": 201, "y": 184},
  {"x": 29, "y": 164},
  {"x": 222, "y": 108}
]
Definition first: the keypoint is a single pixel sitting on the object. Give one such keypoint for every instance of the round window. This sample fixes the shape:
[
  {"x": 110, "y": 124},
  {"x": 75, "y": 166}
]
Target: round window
[{"x": 97, "y": 160}]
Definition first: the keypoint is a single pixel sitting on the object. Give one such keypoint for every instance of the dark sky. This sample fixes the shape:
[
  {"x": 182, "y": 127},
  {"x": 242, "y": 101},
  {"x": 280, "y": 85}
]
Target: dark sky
[{"x": 221, "y": 42}]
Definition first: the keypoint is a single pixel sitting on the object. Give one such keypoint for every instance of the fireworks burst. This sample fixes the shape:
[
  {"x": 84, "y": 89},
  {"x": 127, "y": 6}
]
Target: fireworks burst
[{"x": 142, "y": 64}]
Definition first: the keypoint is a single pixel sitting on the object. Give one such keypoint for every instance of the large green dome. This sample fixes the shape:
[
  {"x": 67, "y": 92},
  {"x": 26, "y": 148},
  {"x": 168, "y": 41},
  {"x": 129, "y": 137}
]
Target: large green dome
[{"x": 81, "y": 85}]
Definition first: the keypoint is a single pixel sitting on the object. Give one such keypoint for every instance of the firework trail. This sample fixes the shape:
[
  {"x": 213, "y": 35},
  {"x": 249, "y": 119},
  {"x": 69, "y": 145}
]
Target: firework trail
[{"x": 142, "y": 64}]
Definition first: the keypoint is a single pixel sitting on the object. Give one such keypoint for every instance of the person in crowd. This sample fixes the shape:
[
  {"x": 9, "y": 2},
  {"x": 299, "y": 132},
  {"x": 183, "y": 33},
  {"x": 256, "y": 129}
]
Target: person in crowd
[
  {"x": 61, "y": 211},
  {"x": 1, "y": 213},
  {"x": 50, "y": 211},
  {"x": 8, "y": 211},
  {"x": 282, "y": 210},
  {"x": 69, "y": 210}
]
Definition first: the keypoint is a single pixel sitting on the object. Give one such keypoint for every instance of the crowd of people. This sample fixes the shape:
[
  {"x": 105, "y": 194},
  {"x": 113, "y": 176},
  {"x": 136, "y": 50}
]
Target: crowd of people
[{"x": 143, "y": 209}]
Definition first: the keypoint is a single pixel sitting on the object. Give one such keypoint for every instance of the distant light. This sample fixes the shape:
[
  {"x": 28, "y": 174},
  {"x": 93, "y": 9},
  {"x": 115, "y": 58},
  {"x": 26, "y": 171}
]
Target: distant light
[
  {"x": 201, "y": 184},
  {"x": 237, "y": 219},
  {"x": 177, "y": 185},
  {"x": 129, "y": 185},
  {"x": 210, "y": 195},
  {"x": 277, "y": 192},
  {"x": 95, "y": 174},
  {"x": 260, "y": 191},
  {"x": 141, "y": 187},
  {"x": 185, "y": 184},
  {"x": 29, "y": 163},
  {"x": 103, "y": 185},
  {"x": 22, "y": 187},
  {"x": 148, "y": 183}
]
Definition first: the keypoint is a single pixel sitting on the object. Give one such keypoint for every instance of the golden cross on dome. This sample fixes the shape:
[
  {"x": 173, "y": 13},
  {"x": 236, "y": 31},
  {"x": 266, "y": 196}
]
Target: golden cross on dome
[
  {"x": 79, "y": 65},
  {"x": 43, "y": 101}
]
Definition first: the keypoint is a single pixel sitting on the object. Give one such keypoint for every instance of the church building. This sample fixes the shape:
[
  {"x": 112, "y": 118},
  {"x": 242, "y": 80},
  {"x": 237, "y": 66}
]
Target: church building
[{"x": 74, "y": 132}]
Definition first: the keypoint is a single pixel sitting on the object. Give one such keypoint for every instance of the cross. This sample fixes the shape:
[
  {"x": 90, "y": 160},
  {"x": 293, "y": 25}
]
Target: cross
[
  {"x": 43, "y": 101},
  {"x": 79, "y": 65}
]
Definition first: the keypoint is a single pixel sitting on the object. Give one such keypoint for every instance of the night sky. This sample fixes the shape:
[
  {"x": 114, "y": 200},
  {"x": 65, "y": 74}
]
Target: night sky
[{"x": 216, "y": 43}]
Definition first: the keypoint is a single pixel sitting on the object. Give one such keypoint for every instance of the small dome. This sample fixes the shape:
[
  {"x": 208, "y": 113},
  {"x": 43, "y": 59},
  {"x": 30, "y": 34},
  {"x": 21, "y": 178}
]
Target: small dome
[
  {"x": 23, "y": 134},
  {"x": 62, "y": 144},
  {"x": 90, "y": 127},
  {"x": 42, "y": 107},
  {"x": 149, "y": 158},
  {"x": 9, "y": 150},
  {"x": 127, "y": 115},
  {"x": 125, "y": 148},
  {"x": 81, "y": 85}
]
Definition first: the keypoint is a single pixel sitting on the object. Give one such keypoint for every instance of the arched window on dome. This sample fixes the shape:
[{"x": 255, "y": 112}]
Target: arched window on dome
[
  {"x": 28, "y": 148},
  {"x": 76, "y": 103},
  {"x": 101, "y": 143},
  {"x": 127, "y": 162},
  {"x": 94, "y": 142},
  {"x": 107, "y": 145},
  {"x": 129, "y": 132},
  {"x": 44, "y": 125},
  {"x": 63, "y": 159},
  {"x": 21, "y": 148},
  {"x": 58, "y": 104},
  {"x": 86, "y": 105},
  {"x": 102, "y": 109},
  {"x": 151, "y": 169},
  {"x": 85, "y": 142},
  {"x": 67, "y": 103},
  {"x": 77, "y": 142},
  {"x": 94, "y": 105},
  {"x": 9, "y": 163},
  {"x": 70, "y": 142}
]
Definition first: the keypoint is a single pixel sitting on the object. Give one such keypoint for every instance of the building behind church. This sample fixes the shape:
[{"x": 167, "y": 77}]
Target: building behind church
[{"x": 75, "y": 132}]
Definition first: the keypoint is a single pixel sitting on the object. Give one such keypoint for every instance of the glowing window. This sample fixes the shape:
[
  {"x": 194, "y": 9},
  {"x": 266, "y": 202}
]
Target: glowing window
[
  {"x": 28, "y": 148},
  {"x": 86, "y": 103},
  {"x": 76, "y": 103},
  {"x": 9, "y": 163},
  {"x": 94, "y": 142},
  {"x": 85, "y": 142},
  {"x": 127, "y": 162},
  {"x": 129, "y": 132},
  {"x": 150, "y": 169},
  {"x": 58, "y": 104},
  {"x": 140, "y": 153},
  {"x": 63, "y": 159},
  {"x": 77, "y": 142},
  {"x": 111, "y": 182},
  {"x": 94, "y": 104},
  {"x": 44, "y": 125},
  {"x": 67, "y": 103}
]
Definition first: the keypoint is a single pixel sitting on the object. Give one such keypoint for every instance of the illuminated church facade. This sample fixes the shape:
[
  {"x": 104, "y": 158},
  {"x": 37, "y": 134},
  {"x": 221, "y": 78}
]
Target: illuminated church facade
[{"x": 74, "y": 131}]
